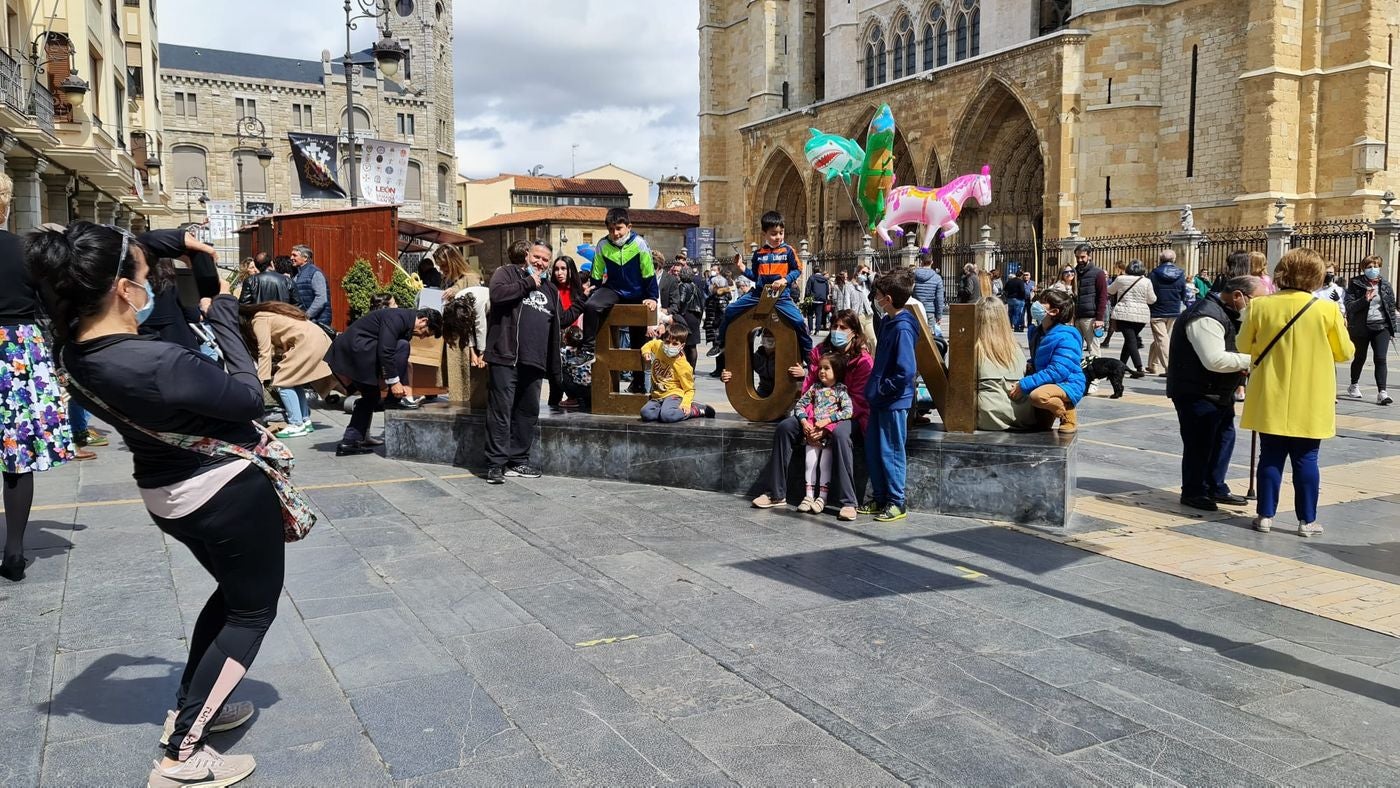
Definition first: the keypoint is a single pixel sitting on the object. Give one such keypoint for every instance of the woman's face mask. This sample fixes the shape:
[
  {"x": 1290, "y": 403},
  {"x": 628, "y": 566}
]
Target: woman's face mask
[
  {"x": 1373, "y": 273},
  {"x": 840, "y": 338}
]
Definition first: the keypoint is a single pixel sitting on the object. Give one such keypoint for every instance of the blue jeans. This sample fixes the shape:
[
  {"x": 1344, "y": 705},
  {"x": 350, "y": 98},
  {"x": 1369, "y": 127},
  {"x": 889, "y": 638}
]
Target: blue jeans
[
  {"x": 294, "y": 404},
  {"x": 1207, "y": 441},
  {"x": 77, "y": 418},
  {"x": 1273, "y": 449},
  {"x": 787, "y": 310},
  {"x": 885, "y": 460},
  {"x": 1016, "y": 307}
]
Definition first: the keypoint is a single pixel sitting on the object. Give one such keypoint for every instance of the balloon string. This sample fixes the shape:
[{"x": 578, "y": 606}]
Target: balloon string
[{"x": 860, "y": 215}]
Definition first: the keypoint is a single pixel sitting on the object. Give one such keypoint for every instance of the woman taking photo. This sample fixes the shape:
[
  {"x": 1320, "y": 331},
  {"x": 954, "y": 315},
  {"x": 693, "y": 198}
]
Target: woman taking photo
[
  {"x": 1294, "y": 344},
  {"x": 36, "y": 433},
  {"x": 1371, "y": 319},
  {"x": 848, "y": 341},
  {"x": 1133, "y": 294},
  {"x": 224, "y": 509},
  {"x": 274, "y": 330}
]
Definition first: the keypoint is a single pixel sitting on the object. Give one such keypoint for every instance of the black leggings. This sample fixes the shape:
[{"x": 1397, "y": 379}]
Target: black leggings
[
  {"x": 1132, "y": 343},
  {"x": 237, "y": 537},
  {"x": 1379, "y": 342}
]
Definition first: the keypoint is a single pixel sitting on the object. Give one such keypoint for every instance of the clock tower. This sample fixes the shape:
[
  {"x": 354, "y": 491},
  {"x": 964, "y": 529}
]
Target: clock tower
[{"x": 675, "y": 192}]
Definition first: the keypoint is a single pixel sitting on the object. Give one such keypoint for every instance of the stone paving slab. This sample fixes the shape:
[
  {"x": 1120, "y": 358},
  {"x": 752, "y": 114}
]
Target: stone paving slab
[{"x": 439, "y": 631}]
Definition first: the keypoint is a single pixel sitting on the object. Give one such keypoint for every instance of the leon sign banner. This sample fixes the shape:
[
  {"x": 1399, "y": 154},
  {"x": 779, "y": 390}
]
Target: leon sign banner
[{"x": 384, "y": 172}]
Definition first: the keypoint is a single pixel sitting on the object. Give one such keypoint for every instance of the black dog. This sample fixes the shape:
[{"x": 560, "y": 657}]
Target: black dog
[{"x": 1110, "y": 369}]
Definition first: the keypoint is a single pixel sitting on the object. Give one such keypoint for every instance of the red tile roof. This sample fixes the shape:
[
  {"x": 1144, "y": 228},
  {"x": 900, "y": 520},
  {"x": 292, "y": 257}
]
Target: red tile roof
[
  {"x": 589, "y": 215},
  {"x": 529, "y": 183}
]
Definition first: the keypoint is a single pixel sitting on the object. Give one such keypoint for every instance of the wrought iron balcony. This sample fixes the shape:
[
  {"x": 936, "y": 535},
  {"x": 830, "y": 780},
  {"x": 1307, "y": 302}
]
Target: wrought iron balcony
[
  {"x": 11, "y": 85},
  {"x": 41, "y": 107}
]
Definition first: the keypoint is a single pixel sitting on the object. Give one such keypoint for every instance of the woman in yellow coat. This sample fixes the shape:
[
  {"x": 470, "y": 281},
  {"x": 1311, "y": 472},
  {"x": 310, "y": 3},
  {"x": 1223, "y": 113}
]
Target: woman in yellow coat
[
  {"x": 291, "y": 352},
  {"x": 1292, "y": 396}
]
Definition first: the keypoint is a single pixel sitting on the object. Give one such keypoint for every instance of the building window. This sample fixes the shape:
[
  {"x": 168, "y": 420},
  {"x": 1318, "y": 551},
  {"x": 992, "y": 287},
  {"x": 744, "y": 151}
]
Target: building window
[
  {"x": 1054, "y": 14},
  {"x": 588, "y": 238},
  {"x": 1108, "y": 191},
  {"x": 444, "y": 180},
  {"x": 301, "y": 116},
  {"x": 362, "y": 124},
  {"x": 786, "y": 97},
  {"x": 875, "y": 55},
  {"x": 405, "y": 124},
  {"x": 976, "y": 17},
  {"x": 246, "y": 107},
  {"x": 134, "y": 82},
  {"x": 254, "y": 176},
  {"x": 903, "y": 47},
  {"x": 414, "y": 189},
  {"x": 188, "y": 161},
  {"x": 1191, "y": 120},
  {"x": 935, "y": 38},
  {"x": 961, "y": 49},
  {"x": 459, "y": 212}
]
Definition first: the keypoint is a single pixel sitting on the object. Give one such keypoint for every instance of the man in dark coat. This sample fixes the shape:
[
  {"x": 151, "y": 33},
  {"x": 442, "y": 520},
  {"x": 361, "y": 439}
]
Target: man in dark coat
[
  {"x": 180, "y": 244},
  {"x": 366, "y": 352},
  {"x": 819, "y": 291},
  {"x": 266, "y": 285}
]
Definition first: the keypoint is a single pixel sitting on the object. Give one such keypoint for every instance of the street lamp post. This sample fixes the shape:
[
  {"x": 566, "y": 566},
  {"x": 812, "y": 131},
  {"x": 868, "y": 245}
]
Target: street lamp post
[
  {"x": 250, "y": 128},
  {"x": 191, "y": 183},
  {"x": 387, "y": 55}
]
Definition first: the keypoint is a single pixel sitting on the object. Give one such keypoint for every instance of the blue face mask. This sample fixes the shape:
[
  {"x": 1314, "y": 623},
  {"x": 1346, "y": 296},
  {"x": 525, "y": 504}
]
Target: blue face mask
[
  {"x": 1038, "y": 312},
  {"x": 145, "y": 312},
  {"x": 840, "y": 339},
  {"x": 1373, "y": 273}
]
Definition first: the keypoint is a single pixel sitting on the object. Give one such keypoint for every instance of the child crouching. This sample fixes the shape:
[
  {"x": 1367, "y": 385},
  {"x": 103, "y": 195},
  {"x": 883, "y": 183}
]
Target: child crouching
[
  {"x": 672, "y": 379},
  {"x": 819, "y": 410}
]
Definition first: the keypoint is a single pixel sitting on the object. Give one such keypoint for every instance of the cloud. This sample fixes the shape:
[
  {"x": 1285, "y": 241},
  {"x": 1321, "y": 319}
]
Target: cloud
[{"x": 533, "y": 78}]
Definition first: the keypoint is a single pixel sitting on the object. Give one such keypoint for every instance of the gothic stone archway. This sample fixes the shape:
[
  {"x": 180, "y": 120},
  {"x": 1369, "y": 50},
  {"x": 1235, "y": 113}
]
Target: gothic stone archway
[
  {"x": 998, "y": 131},
  {"x": 781, "y": 188}
]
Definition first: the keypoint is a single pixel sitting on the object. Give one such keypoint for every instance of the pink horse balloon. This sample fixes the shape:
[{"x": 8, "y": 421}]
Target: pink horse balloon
[{"x": 935, "y": 209}]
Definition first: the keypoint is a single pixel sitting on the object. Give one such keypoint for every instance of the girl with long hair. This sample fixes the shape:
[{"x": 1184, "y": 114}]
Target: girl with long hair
[{"x": 1000, "y": 363}]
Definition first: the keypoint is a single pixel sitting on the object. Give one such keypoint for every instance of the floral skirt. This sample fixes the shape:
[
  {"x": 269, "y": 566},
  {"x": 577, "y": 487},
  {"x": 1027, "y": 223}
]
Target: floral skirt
[{"x": 36, "y": 435}]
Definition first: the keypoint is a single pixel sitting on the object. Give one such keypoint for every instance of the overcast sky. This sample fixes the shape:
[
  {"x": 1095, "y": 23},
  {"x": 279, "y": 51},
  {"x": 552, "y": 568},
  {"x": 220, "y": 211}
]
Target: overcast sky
[{"x": 619, "y": 78}]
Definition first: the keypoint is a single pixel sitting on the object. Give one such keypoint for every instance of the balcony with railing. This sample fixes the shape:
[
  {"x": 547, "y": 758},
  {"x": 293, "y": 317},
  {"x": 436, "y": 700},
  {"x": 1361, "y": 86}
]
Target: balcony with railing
[
  {"x": 11, "y": 84},
  {"x": 41, "y": 107}
]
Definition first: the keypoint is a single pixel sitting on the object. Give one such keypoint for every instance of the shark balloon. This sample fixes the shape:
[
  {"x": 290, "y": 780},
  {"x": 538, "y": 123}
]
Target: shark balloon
[{"x": 834, "y": 156}]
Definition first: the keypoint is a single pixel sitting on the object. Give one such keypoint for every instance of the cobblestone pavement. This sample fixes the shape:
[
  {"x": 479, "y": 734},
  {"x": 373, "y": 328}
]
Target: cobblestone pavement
[{"x": 436, "y": 630}]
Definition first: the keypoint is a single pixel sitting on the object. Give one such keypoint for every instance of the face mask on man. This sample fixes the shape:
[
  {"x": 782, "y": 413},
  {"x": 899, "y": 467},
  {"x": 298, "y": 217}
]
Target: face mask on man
[
  {"x": 1373, "y": 274},
  {"x": 1329, "y": 278},
  {"x": 769, "y": 343}
]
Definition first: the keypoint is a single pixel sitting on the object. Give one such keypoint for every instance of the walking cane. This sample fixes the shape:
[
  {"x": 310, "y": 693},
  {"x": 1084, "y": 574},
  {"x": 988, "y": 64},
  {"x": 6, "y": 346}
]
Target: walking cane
[{"x": 1253, "y": 449}]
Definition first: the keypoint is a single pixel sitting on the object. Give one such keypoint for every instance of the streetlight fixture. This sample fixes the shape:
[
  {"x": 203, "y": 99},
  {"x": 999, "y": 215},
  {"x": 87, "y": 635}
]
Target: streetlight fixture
[
  {"x": 191, "y": 183},
  {"x": 250, "y": 128},
  {"x": 73, "y": 87},
  {"x": 387, "y": 56}
]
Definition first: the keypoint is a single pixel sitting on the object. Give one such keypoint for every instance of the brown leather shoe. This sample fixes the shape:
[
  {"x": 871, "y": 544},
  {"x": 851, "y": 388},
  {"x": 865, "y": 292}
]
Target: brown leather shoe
[
  {"x": 848, "y": 513},
  {"x": 1069, "y": 423},
  {"x": 84, "y": 454}
]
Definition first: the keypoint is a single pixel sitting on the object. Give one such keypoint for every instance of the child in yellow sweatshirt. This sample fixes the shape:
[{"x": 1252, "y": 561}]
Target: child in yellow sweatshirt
[{"x": 672, "y": 379}]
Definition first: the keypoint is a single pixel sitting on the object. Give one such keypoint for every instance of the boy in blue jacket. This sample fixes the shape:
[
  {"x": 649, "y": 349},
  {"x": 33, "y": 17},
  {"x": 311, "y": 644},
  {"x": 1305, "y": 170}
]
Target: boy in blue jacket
[
  {"x": 776, "y": 267},
  {"x": 890, "y": 392},
  {"x": 1056, "y": 383},
  {"x": 623, "y": 273}
]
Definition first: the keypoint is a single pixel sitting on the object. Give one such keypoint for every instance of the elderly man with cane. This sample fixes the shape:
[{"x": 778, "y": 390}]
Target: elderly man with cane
[{"x": 1203, "y": 371}]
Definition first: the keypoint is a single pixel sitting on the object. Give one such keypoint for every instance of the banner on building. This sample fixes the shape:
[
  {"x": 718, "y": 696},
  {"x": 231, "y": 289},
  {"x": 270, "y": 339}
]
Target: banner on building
[
  {"x": 383, "y": 172},
  {"x": 314, "y": 156},
  {"x": 256, "y": 209}
]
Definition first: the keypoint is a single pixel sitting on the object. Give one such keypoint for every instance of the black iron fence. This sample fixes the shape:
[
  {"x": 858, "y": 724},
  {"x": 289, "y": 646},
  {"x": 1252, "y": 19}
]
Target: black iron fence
[
  {"x": 1221, "y": 243},
  {"x": 1112, "y": 249},
  {"x": 1343, "y": 241},
  {"x": 1043, "y": 262}
]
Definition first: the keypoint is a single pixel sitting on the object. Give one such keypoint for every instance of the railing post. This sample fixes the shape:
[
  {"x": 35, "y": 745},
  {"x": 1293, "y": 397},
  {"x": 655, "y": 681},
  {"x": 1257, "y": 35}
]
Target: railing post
[
  {"x": 866, "y": 256},
  {"x": 984, "y": 252},
  {"x": 1387, "y": 230},
  {"x": 1067, "y": 244},
  {"x": 910, "y": 252},
  {"x": 1279, "y": 234},
  {"x": 1186, "y": 242}
]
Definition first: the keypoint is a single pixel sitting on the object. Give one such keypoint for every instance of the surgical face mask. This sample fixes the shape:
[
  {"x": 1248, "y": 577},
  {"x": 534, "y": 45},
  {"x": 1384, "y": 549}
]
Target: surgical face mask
[
  {"x": 840, "y": 339},
  {"x": 1373, "y": 273},
  {"x": 1038, "y": 312},
  {"x": 769, "y": 343},
  {"x": 671, "y": 350},
  {"x": 144, "y": 312}
]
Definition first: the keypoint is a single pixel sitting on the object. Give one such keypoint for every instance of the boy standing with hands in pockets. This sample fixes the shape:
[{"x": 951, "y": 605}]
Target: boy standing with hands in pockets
[{"x": 890, "y": 392}]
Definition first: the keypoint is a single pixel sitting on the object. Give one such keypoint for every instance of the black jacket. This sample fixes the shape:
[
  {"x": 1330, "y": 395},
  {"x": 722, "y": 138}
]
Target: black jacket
[
  {"x": 364, "y": 352},
  {"x": 266, "y": 286},
  {"x": 1357, "y": 305},
  {"x": 1187, "y": 377},
  {"x": 169, "y": 388},
  {"x": 819, "y": 288},
  {"x": 170, "y": 320},
  {"x": 509, "y": 286}
]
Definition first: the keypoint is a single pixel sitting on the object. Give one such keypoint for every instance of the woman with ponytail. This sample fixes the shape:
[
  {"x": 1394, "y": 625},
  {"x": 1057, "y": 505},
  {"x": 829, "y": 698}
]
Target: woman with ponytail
[
  {"x": 34, "y": 430},
  {"x": 223, "y": 508}
]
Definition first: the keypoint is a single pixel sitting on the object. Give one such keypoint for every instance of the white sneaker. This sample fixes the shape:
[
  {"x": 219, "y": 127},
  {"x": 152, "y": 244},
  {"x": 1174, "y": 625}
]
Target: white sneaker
[
  {"x": 229, "y": 717},
  {"x": 1263, "y": 524},
  {"x": 1383, "y": 398},
  {"x": 205, "y": 769},
  {"x": 1354, "y": 391},
  {"x": 1309, "y": 529}
]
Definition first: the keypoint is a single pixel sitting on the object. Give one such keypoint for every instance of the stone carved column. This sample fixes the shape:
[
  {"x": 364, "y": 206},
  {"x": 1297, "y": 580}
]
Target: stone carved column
[
  {"x": 984, "y": 252},
  {"x": 27, "y": 210},
  {"x": 1279, "y": 234},
  {"x": 56, "y": 197},
  {"x": 1067, "y": 244},
  {"x": 106, "y": 212}
]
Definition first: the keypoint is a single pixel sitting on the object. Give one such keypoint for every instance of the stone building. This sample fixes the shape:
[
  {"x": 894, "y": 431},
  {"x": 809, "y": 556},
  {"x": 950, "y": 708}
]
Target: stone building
[
  {"x": 1112, "y": 112},
  {"x": 205, "y": 92},
  {"x": 676, "y": 191},
  {"x": 100, "y": 159}
]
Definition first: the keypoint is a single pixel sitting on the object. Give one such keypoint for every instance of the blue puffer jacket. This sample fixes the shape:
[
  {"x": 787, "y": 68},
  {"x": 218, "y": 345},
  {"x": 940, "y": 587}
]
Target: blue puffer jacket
[
  {"x": 1057, "y": 360},
  {"x": 1170, "y": 283}
]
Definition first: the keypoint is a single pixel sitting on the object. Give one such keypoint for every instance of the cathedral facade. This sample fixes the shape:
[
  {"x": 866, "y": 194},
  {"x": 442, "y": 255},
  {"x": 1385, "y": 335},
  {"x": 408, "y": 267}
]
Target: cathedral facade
[{"x": 1109, "y": 112}]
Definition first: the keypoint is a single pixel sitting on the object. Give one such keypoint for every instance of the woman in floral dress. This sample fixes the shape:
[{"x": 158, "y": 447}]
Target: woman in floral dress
[{"x": 34, "y": 431}]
